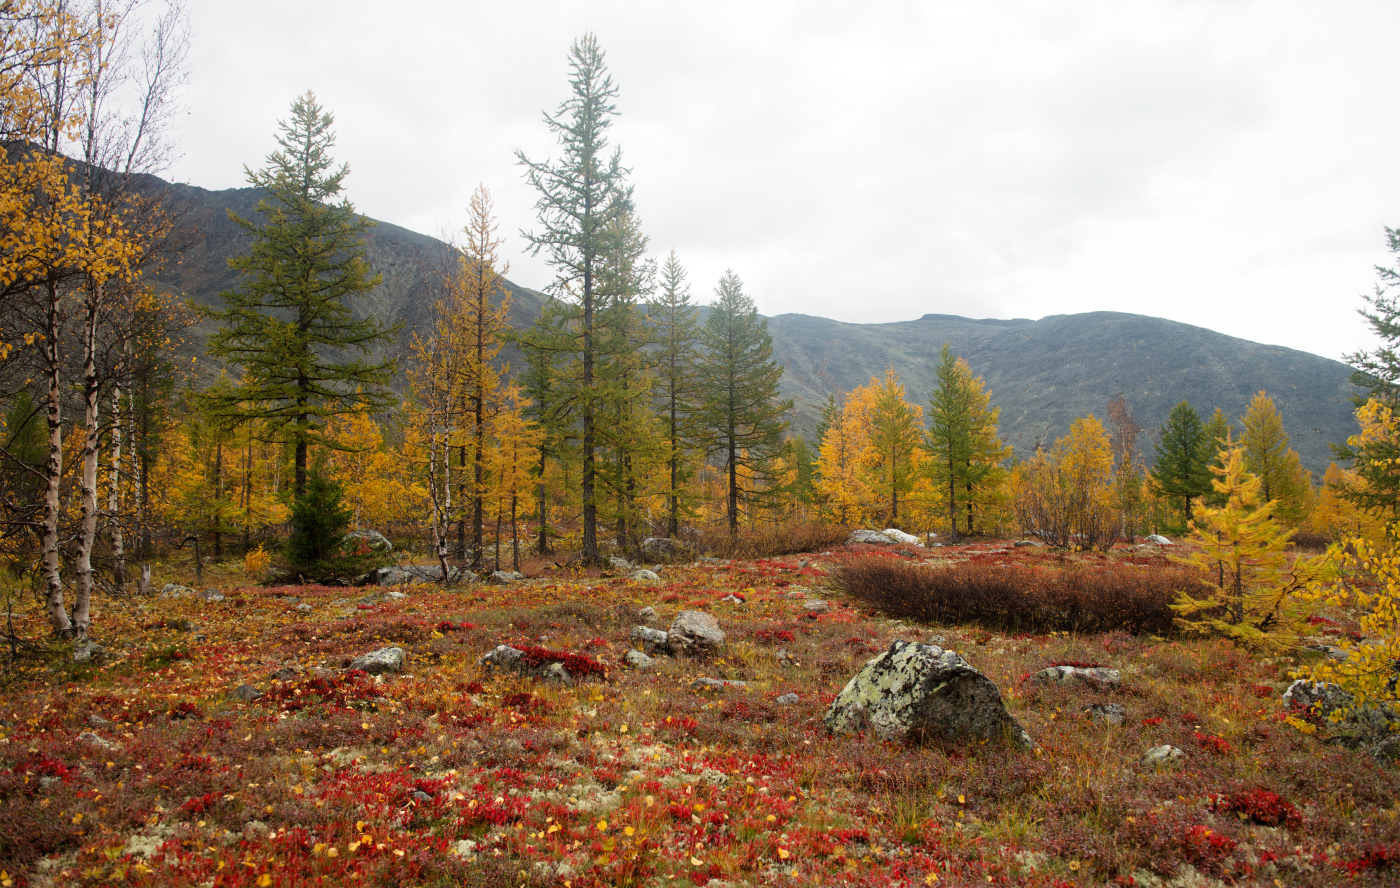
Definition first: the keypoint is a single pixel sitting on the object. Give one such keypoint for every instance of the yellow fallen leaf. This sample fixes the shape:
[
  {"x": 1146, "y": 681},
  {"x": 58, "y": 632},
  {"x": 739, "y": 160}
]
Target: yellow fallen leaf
[
  {"x": 602, "y": 825},
  {"x": 783, "y": 853},
  {"x": 264, "y": 880},
  {"x": 696, "y": 862},
  {"x": 932, "y": 877},
  {"x": 770, "y": 818},
  {"x": 629, "y": 831},
  {"x": 962, "y": 801}
]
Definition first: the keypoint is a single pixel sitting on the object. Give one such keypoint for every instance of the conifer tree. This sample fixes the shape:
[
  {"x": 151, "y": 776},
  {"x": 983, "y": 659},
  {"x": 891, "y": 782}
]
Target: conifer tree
[
  {"x": 285, "y": 325},
  {"x": 547, "y": 347},
  {"x": 742, "y": 412},
  {"x": 1216, "y": 437},
  {"x": 677, "y": 333},
  {"x": 1282, "y": 478},
  {"x": 965, "y": 449},
  {"x": 1180, "y": 470},
  {"x": 580, "y": 195},
  {"x": 1253, "y": 583},
  {"x": 896, "y": 430},
  {"x": 841, "y": 459}
]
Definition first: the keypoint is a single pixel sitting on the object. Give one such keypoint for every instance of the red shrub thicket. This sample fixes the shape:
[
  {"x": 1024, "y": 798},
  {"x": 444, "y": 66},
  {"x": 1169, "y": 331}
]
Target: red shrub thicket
[
  {"x": 787, "y": 538},
  {"x": 1017, "y": 598}
]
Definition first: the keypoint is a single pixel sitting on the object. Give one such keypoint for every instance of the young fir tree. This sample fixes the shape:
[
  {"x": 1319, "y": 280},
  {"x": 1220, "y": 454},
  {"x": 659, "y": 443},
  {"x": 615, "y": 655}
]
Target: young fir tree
[
  {"x": 1253, "y": 584},
  {"x": 677, "y": 333},
  {"x": 286, "y": 324},
  {"x": 896, "y": 429},
  {"x": 1216, "y": 437},
  {"x": 1282, "y": 478},
  {"x": 966, "y": 452},
  {"x": 1180, "y": 471},
  {"x": 580, "y": 195},
  {"x": 742, "y": 413}
]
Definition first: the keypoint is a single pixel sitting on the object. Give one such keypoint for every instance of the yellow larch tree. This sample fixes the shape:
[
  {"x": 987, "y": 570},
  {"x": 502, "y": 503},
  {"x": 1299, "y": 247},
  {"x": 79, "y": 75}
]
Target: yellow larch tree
[{"x": 845, "y": 451}]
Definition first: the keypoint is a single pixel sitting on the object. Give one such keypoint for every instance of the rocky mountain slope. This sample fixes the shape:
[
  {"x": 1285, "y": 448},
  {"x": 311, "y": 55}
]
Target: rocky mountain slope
[{"x": 1042, "y": 374}]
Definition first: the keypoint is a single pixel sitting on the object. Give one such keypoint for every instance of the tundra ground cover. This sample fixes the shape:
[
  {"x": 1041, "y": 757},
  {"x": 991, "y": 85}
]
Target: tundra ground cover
[{"x": 143, "y": 770}]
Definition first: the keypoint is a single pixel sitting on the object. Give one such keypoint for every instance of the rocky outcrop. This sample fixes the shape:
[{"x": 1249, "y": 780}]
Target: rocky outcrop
[
  {"x": 376, "y": 541},
  {"x": 662, "y": 549},
  {"x": 651, "y": 640},
  {"x": 1093, "y": 676},
  {"x": 920, "y": 693},
  {"x": 389, "y": 659}
]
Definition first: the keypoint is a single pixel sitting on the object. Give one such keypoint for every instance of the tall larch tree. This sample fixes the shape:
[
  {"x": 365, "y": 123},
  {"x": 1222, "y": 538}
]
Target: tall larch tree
[
  {"x": 843, "y": 453},
  {"x": 677, "y": 386},
  {"x": 1217, "y": 437},
  {"x": 289, "y": 322},
  {"x": 964, "y": 447},
  {"x": 580, "y": 195},
  {"x": 896, "y": 431},
  {"x": 1282, "y": 478},
  {"x": 742, "y": 414},
  {"x": 1180, "y": 470}
]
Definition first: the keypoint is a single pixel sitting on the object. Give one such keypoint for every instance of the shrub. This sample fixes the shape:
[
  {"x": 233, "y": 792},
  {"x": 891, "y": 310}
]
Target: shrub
[
  {"x": 1259, "y": 806},
  {"x": 772, "y": 540},
  {"x": 1016, "y": 598},
  {"x": 319, "y": 521}
]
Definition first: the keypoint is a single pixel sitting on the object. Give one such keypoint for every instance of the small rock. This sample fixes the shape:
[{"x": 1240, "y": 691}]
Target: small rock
[
  {"x": 182, "y": 626},
  {"x": 816, "y": 606},
  {"x": 651, "y": 640},
  {"x": 421, "y": 796},
  {"x": 937, "y": 640},
  {"x": 1021, "y": 544},
  {"x": 802, "y": 565},
  {"x": 1157, "y": 539},
  {"x": 502, "y": 656},
  {"x": 370, "y": 599},
  {"x": 1386, "y": 751},
  {"x": 96, "y": 721},
  {"x": 731, "y": 598},
  {"x": 556, "y": 673},
  {"x": 212, "y": 595},
  {"x": 637, "y": 660},
  {"x": 904, "y": 539},
  {"x": 1108, "y": 713},
  {"x": 661, "y": 548},
  {"x": 1333, "y": 652},
  {"x": 88, "y": 650},
  {"x": 376, "y": 540},
  {"x": 304, "y": 608},
  {"x": 286, "y": 673},
  {"x": 389, "y": 659},
  {"x": 695, "y": 633},
  {"x": 1098, "y": 676},
  {"x": 505, "y": 577},
  {"x": 644, "y": 576},
  {"x": 464, "y": 848},
  {"x": 92, "y": 739},
  {"x": 621, "y": 565},
  {"x": 788, "y": 699},
  {"x": 715, "y": 684},
  {"x": 646, "y": 614},
  {"x": 786, "y": 660},
  {"x": 245, "y": 692},
  {"x": 1159, "y": 756},
  {"x": 175, "y": 590},
  {"x": 395, "y": 595}
]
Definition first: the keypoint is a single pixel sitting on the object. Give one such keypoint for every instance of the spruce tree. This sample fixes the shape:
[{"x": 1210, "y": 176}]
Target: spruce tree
[
  {"x": 1180, "y": 468},
  {"x": 289, "y": 323},
  {"x": 742, "y": 413},
  {"x": 581, "y": 194}
]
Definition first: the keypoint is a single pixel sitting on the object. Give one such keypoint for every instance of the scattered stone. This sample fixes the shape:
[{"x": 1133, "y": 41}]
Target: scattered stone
[
  {"x": 644, "y": 576},
  {"x": 651, "y": 640},
  {"x": 377, "y": 541},
  {"x": 695, "y": 633},
  {"x": 245, "y": 693},
  {"x": 464, "y": 848},
  {"x": 1333, "y": 652},
  {"x": 709, "y": 559},
  {"x": 175, "y": 590},
  {"x": 414, "y": 574},
  {"x": 304, "y": 608},
  {"x": 286, "y": 673},
  {"x": 714, "y": 777},
  {"x": 815, "y": 606},
  {"x": 637, "y": 660},
  {"x": 937, "y": 640},
  {"x": 802, "y": 565},
  {"x": 1321, "y": 697},
  {"x": 871, "y": 537},
  {"x": 646, "y": 614},
  {"x": 212, "y": 595},
  {"x": 1157, "y": 539},
  {"x": 556, "y": 673},
  {"x": 505, "y": 577},
  {"x": 96, "y": 721},
  {"x": 1097, "y": 676},
  {"x": 88, "y": 650},
  {"x": 920, "y": 692},
  {"x": 797, "y": 593},
  {"x": 389, "y": 659},
  {"x": 621, "y": 565},
  {"x": 788, "y": 699},
  {"x": 1159, "y": 756},
  {"x": 370, "y": 599},
  {"x": 787, "y": 660},
  {"x": 421, "y": 796},
  {"x": 899, "y": 536},
  {"x": 662, "y": 549},
  {"x": 395, "y": 595},
  {"x": 1386, "y": 751},
  {"x": 92, "y": 739},
  {"x": 701, "y": 684},
  {"x": 1108, "y": 713},
  {"x": 1358, "y": 725},
  {"x": 1021, "y": 544},
  {"x": 503, "y": 656},
  {"x": 731, "y": 598}
]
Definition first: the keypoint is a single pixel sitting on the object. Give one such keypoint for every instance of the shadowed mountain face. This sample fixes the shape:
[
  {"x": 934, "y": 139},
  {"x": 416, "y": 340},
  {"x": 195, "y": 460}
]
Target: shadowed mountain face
[{"x": 1042, "y": 374}]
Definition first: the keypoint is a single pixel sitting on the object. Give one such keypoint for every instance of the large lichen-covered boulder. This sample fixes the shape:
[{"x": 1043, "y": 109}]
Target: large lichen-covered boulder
[
  {"x": 695, "y": 633},
  {"x": 920, "y": 693}
]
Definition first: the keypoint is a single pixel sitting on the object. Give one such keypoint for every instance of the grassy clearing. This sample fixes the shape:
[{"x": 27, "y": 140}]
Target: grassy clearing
[{"x": 447, "y": 774}]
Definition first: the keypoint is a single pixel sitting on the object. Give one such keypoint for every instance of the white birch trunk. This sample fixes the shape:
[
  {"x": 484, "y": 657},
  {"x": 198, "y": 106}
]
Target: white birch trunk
[{"x": 53, "y": 470}]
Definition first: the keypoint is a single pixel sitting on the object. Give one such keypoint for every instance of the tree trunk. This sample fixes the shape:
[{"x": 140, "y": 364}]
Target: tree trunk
[
  {"x": 53, "y": 469},
  {"x": 87, "y": 536},
  {"x": 218, "y": 500},
  {"x": 113, "y": 496},
  {"x": 542, "y": 543}
]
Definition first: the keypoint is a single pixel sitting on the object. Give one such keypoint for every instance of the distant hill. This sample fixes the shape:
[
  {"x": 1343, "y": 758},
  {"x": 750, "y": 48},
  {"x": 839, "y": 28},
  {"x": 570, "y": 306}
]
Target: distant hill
[{"x": 1042, "y": 374}]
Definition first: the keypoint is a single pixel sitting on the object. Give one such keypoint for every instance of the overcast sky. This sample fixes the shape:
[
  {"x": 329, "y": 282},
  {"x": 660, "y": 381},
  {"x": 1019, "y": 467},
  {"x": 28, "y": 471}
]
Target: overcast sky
[{"x": 1229, "y": 165}]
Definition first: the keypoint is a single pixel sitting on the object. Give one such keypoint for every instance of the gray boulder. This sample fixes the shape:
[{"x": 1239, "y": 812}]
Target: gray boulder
[
  {"x": 1096, "y": 676},
  {"x": 815, "y": 606},
  {"x": 788, "y": 699},
  {"x": 175, "y": 590},
  {"x": 870, "y": 537},
  {"x": 637, "y": 660},
  {"x": 212, "y": 595},
  {"x": 1321, "y": 697},
  {"x": 245, "y": 693},
  {"x": 377, "y": 541},
  {"x": 662, "y": 549},
  {"x": 418, "y": 573},
  {"x": 920, "y": 692},
  {"x": 505, "y": 577},
  {"x": 651, "y": 640},
  {"x": 87, "y": 650},
  {"x": 503, "y": 656},
  {"x": 621, "y": 565},
  {"x": 694, "y": 633},
  {"x": 1160, "y": 756},
  {"x": 1157, "y": 539},
  {"x": 1108, "y": 713},
  {"x": 715, "y": 684},
  {"x": 389, "y": 659},
  {"x": 904, "y": 539},
  {"x": 644, "y": 576},
  {"x": 646, "y": 614}
]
